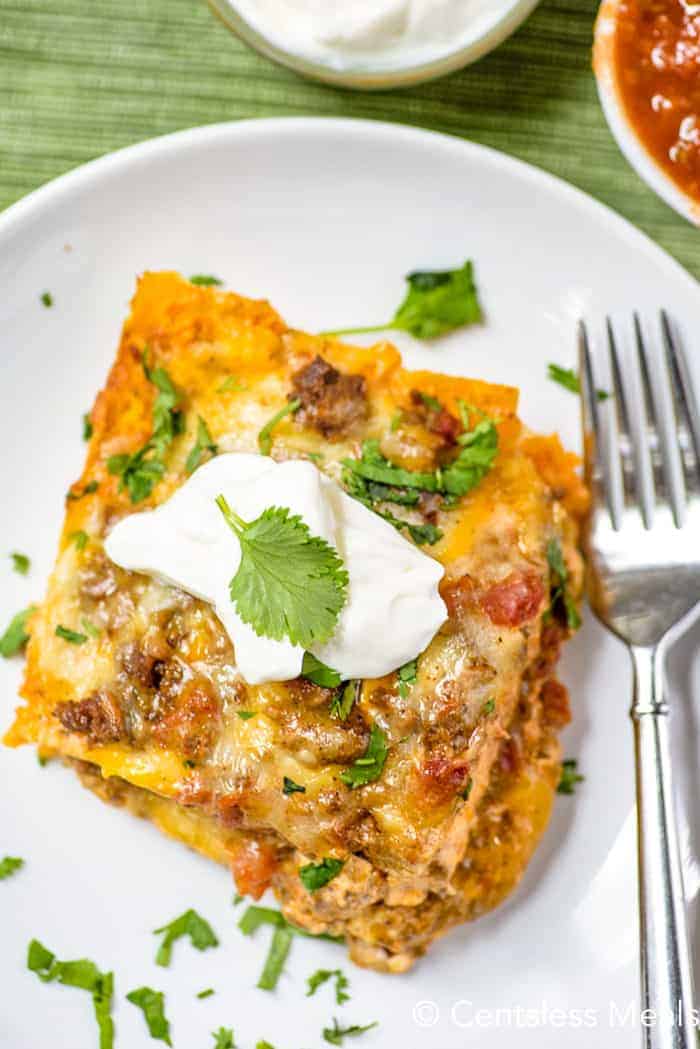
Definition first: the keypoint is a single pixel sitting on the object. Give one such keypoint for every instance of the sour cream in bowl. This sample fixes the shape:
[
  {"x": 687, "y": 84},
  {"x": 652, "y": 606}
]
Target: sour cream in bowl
[{"x": 373, "y": 43}]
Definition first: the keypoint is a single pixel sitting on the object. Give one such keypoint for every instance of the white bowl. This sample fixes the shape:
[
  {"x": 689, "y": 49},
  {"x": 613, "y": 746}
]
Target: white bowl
[
  {"x": 488, "y": 34},
  {"x": 609, "y": 92}
]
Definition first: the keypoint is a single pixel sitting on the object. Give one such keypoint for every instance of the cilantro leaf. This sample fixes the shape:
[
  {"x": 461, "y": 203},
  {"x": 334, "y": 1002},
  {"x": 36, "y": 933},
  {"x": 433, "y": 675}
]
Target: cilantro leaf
[
  {"x": 87, "y": 427},
  {"x": 478, "y": 451},
  {"x": 189, "y": 924},
  {"x": 290, "y": 787},
  {"x": 321, "y": 976},
  {"x": 569, "y": 776},
  {"x": 89, "y": 488},
  {"x": 562, "y": 605},
  {"x": 207, "y": 993},
  {"x": 407, "y": 676},
  {"x": 205, "y": 280},
  {"x": 276, "y": 957},
  {"x": 488, "y": 707},
  {"x": 467, "y": 789},
  {"x": 336, "y": 1033},
  {"x": 16, "y": 635},
  {"x": 140, "y": 471},
  {"x": 83, "y": 974},
  {"x": 80, "y": 538},
  {"x": 203, "y": 443},
  {"x": 265, "y": 435},
  {"x": 223, "y": 1038},
  {"x": 73, "y": 636},
  {"x": 231, "y": 384},
  {"x": 246, "y": 715},
  {"x": 289, "y": 582},
  {"x": 368, "y": 768},
  {"x": 46, "y": 298},
  {"x": 251, "y": 921},
  {"x": 152, "y": 1004},
  {"x": 319, "y": 673},
  {"x": 90, "y": 629},
  {"x": 437, "y": 302},
  {"x": 315, "y": 875},
  {"x": 373, "y": 466},
  {"x": 21, "y": 563},
  {"x": 343, "y": 702},
  {"x": 569, "y": 379},
  {"x": 9, "y": 865}
]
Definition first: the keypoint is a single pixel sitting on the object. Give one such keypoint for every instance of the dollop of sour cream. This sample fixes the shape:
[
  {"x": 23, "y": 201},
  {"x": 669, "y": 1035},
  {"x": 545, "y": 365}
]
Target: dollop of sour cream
[
  {"x": 388, "y": 34},
  {"x": 393, "y": 607}
]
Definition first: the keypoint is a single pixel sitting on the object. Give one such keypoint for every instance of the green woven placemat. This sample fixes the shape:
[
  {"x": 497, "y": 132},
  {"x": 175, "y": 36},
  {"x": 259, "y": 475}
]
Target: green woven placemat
[{"x": 80, "y": 79}]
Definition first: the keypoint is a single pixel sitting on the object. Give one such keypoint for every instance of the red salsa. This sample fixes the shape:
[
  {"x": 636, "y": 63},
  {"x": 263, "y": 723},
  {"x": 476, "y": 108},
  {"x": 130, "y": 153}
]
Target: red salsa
[{"x": 657, "y": 58}]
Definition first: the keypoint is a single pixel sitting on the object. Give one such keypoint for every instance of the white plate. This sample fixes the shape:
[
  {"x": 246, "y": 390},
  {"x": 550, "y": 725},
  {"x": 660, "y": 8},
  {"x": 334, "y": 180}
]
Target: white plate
[{"x": 324, "y": 218}]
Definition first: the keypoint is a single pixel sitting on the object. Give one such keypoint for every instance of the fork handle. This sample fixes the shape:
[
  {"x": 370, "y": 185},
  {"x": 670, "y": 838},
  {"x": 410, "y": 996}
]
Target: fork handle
[{"x": 665, "y": 956}]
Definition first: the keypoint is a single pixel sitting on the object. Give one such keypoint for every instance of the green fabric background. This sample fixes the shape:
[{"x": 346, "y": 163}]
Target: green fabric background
[{"x": 79, "y": 78}]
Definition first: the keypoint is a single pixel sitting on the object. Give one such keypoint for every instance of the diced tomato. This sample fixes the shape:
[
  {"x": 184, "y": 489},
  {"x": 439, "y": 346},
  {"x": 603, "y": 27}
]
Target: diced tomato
[{"x": 514, "y": 601}]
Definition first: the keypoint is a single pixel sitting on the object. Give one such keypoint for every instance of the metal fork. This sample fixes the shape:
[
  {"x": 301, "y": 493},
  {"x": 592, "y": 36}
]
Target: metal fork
[{"x": 643, "y": 545}]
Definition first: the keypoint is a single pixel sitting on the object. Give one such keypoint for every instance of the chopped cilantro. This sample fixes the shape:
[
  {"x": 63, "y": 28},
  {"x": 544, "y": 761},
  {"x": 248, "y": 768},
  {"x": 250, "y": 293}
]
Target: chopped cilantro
[
  {"x": 368, "y": 768},
  {"x": 73, "y": 636},
  {"x": 203, "y": 444},
  {"x": 290, "y": 787},
  {"x": 205, "y": 280},
  {"x": 562, "y": 604},
  {"x": 343, "y": 702},
  {"x": 321, "y": 976},
  {"x": 336, "y": 1033},
  {"x": 87, "y": 427},
  {"x": 189, "y": 924},
  {"x": 373, "y": 466},
  {"x": 265, "y": 435},
  {"x": 206, "y": 993},
  {"x": 152, "y": 1004},
  {"x": 223, "y": 1038},
  {"x": 140, "y": 471},
  {"x": 396, "y": 421},
  {"x": 46, "y": 299},
  {"x": 407, "y": 677},
  {"x": 478, "y": 451},
  {"x": 436, "y": 302},
  {"x": 83, "y": 974},
  {"x": 80, "y": 538},
  {"x": 237, "y": 899},
  {"x": 88, "y": 489},
  {"x": 289, "y": 583},
  {"x": 90, "y": 629},
  {"x": 276, "y": 957},
  {"x": 246, "y": 715},
  {"x": 9, "y": 865},
  {"x": 488, "y": 707},
  {"x": 231, "y": 385},
  {"x": 319, "y": 673},
  {"x": 467, "y": 789},
  {"x": 569, "y": 776},
  {"x": 16, "y": 635},
  {"x": 315, "y": 875},
  {"x": 21, "y": 563},
  {"x": 568, "y": 378},
  {"x": 253, "y": 918}
]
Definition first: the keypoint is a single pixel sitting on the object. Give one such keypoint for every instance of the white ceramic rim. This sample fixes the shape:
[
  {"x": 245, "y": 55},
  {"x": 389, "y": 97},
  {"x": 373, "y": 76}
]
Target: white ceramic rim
[
  {"x": 47, "y": 195},
  {"x": 627, "y": 139},
  {"x": 366, "y": 79}
]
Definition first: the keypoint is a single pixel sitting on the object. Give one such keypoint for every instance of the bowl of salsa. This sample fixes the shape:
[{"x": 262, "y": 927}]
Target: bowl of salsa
[{"x": 646, "y": 59}]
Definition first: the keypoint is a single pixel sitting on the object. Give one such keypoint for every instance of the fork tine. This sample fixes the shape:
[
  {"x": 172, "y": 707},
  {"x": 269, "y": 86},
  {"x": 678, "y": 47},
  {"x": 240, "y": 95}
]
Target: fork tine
[
  {"x": 629, "y": 465},
  {"x": 685, "y": 409},
  {"x": 651, "y": 439},
  {"x": 596, "y": 463}
]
